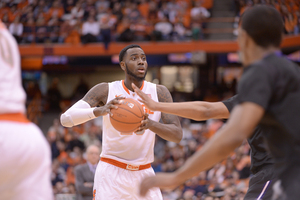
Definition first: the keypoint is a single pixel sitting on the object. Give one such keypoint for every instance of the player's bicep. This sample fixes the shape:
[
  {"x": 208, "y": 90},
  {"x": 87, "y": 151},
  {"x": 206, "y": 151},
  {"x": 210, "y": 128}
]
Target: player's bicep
[
  {"x": 97, "y": 96},
  {"x": 218, "y": 110},
  {"x": 245, "y": 117},
  {"x": 164, "y": 95}
]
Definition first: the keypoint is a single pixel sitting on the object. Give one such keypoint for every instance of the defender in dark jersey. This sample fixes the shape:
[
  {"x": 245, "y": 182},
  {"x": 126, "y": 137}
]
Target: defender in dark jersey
[
  {"x": 269, "y": 95},
  {"x": 262, "y": 164}
]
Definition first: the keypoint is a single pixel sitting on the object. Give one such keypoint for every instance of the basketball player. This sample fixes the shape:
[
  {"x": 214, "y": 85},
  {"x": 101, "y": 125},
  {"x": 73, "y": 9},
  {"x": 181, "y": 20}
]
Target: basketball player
[
  {"x": 262, "y": 164},
  {"x": 25, "y": 163},
  {"x": 269, "y": 93},
  {"x": 125, "y": 158}
]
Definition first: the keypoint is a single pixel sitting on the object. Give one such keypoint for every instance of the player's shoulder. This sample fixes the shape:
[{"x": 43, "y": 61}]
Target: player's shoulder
[
  {"x": 101, "y": 86},
  {"x": 163, "y": 94},
  {"x": 162, "y": 88}
]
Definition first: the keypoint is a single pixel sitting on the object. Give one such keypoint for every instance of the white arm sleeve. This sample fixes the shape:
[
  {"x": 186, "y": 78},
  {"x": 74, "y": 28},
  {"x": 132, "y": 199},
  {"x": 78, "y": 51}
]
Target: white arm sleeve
[{"x": 79, "y": 113}]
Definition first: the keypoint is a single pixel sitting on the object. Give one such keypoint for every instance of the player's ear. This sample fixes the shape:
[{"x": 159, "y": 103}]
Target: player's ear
[{"x": 123, "y": 66}]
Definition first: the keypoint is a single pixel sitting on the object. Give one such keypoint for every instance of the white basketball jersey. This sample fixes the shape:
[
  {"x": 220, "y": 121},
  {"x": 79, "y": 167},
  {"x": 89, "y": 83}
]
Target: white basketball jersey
[
  {"x": 12, "y": 95},
  {"x": 133, "y": 148}
]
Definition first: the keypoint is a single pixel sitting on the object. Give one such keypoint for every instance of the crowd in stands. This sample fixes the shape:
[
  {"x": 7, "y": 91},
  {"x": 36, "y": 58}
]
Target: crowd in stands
[
  {"x": 289, "y": 9},
  {"x": 75, "y": 21}
]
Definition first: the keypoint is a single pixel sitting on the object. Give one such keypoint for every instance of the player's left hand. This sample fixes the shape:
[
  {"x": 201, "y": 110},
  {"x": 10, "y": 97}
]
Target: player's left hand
[
  {"x": 161, "y": 180},
  {"x": 145, "y": 123}
]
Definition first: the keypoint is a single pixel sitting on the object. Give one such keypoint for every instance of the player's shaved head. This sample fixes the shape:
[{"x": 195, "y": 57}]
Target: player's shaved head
[{"x": 124, "y": 50}]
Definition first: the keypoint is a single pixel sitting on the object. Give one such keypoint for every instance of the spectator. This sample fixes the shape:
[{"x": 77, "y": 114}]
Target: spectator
[
  {"x": 90, "y": 31},
  {"x": 164, "y": 27},
  {"x": 55, "y": 10},
  {"x": 68, "y": 5},
  {"x": 13, "y": 13},
  {"x": 41, "y": 29},
  {"x": 16, "y": 29},
  {"x": 64, "y": 31},
  {"x": 29, "y": 30},
  {"x": 53, "y": 29},
  {"x": 84, "y": 174},
  {"x": 89, "y": 6},
  {"x": 124, "y": 31},
  {"x": 41, "y": 7},
  {"x": 117, "y": 11},
  {"x": 77, "y": 12},
  {"x": 199, "y": 12},
  {"x": 54, "y": 96},
  {"x": 105, "y": 30}
]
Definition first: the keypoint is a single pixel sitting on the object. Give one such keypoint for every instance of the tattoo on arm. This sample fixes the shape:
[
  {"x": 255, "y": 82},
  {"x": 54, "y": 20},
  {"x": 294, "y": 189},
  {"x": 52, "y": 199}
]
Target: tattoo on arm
[
  {"x": 164, "y": 96},
  {"x": 97, "y": 96}
]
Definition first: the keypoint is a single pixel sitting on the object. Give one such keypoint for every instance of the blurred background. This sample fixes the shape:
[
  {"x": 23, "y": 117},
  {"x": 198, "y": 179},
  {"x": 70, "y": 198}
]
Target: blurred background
[{"x": 68, "y": 46}]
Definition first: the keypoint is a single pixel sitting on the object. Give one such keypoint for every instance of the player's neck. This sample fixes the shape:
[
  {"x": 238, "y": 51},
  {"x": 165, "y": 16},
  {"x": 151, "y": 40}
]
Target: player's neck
[
  {"x": 127, "y": 83},
  {"x": 257, "y": 53}
]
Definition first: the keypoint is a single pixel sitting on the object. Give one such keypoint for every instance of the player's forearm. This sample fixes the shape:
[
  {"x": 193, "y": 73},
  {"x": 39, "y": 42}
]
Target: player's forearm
[
  {"x": 214, "y": 151},
  {"x": 240, "y": 126},
  {"x": 79, "y": 113},
  {"x": 196, "y": 110},
  {"x": 169, "y": 132}
]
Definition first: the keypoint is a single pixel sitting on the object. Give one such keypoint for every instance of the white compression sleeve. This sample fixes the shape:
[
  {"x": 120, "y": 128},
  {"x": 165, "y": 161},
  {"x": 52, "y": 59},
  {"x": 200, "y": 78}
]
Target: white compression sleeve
[{"x": 79, "y": 113}]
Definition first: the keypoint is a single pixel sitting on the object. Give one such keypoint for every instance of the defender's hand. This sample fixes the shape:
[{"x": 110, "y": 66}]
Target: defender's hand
[
  {"x": 145, "y": 99},
  {"x": 161, "y": 180}
]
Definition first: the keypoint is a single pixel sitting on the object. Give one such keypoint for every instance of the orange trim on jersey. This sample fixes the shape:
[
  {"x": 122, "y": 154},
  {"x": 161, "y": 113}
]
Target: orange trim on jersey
[
  {"x": 127, "y": 90},
  {"x": 141, "y": 88},
  {"x": 15, "y": 117},
  {"x": 124, "y": 165}
]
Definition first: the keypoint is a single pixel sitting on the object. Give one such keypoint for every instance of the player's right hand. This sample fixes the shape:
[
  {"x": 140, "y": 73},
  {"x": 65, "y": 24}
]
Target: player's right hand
[
  {"x": 145, "y": 99},
  {"x": 104, "y": 110}
]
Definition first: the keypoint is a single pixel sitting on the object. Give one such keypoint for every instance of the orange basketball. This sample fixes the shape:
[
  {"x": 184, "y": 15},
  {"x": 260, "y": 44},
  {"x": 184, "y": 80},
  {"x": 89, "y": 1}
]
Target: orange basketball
[{"x": 127, "y": 118}]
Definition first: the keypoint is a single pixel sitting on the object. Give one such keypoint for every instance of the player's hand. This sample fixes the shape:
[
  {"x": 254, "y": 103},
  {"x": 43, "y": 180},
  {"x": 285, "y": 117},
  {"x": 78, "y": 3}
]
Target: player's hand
[
  {"x": 145, "y": 99},
  {"x": 161, "y": 180},
  {"x": 145, "y": 123},
  {"x": 88, "y": 184},
  {"x": 103, "y": 110}
]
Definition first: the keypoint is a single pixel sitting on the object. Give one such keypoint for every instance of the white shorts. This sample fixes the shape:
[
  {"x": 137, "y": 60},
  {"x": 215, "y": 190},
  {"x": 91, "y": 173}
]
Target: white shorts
[
  {"x": 25, "y": 162},
  {"x": 115, "y": 183}
]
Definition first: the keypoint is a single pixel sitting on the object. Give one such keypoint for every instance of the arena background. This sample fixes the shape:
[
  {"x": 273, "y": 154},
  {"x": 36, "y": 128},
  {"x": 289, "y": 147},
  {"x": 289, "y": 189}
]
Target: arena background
[{"x": 190, "y": 48}]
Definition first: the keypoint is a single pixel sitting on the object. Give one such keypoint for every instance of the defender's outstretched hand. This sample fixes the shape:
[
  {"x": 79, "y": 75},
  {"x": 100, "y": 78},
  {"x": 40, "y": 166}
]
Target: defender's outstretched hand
[
  {"x": 145, "y": 99},
  {"x": 161, "y": 180}
]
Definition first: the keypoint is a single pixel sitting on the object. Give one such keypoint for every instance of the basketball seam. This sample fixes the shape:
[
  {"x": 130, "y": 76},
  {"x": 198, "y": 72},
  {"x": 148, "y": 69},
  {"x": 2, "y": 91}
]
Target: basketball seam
[
  {"x": 125, "y": 122},
  {"x": 141, "y": 110},
  {"x": 130, "y": 112}
]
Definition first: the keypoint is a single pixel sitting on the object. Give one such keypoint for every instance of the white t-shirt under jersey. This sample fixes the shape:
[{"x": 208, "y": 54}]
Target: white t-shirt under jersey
[
  {"x": 134, "y": 149},
  {"x": 12, "y": 95}
]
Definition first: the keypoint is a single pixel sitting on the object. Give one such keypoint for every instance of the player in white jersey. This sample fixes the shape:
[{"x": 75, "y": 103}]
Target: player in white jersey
[
  {"x": 25, "y": 163},
  {"x": 125, "y": 158}
]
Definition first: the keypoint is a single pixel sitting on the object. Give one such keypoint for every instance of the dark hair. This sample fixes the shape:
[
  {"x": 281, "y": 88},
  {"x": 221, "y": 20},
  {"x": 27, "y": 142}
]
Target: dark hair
[
  {"x": 264, "y": 25},
  {"x": 124, "y": 50}
]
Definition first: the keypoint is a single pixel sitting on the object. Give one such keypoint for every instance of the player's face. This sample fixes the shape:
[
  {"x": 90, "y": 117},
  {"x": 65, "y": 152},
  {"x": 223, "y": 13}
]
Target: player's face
[
  {"x": 242, "y": 37},
  {"x": 136, "y": 63}
]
